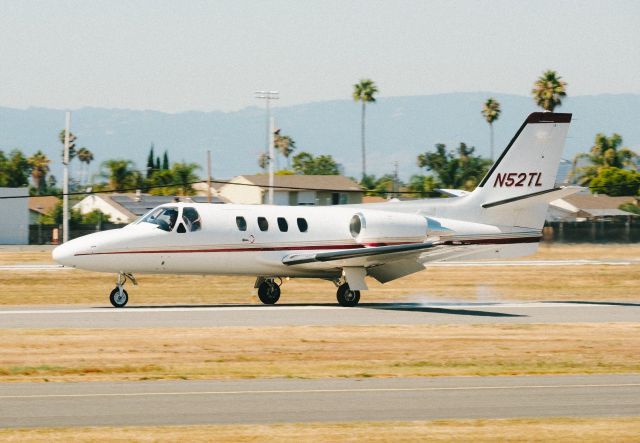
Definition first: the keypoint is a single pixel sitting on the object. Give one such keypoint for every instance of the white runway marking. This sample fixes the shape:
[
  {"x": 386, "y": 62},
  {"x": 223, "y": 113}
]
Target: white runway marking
[
  {"x": 160, "y": 309},
  {"x": 322, "y": 391}
]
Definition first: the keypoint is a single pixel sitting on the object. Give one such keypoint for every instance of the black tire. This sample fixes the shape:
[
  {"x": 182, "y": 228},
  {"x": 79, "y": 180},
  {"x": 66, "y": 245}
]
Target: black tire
[
  {"x": 269, "y": 293},
  {"x": 346, "y": 297},
  {"x": 116, "y": 300}
]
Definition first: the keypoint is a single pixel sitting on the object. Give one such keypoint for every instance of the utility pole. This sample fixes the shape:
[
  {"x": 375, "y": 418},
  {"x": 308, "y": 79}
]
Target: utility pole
[
  {"x": 268, "y": 96},
  {"x": 65, "y": 180},
  {"x": 272, "y": 129},
  {"x": 395, "y": 179},
  {"x": 209, "y": 176}
]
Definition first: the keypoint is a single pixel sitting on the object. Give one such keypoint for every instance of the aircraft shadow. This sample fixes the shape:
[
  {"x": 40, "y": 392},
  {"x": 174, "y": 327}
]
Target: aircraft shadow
[
  {"x": 434, "y": 310},
  {"x": 601, "y": 303},
  {"x": 407, "y": 307}
]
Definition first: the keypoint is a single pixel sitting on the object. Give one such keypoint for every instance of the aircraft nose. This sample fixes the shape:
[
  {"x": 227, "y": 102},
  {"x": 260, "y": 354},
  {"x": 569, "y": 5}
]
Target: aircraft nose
[{"x": 64, "y": 254}]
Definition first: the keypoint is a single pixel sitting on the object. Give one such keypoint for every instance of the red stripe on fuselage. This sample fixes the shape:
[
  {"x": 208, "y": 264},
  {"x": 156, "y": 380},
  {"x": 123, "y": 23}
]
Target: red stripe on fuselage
[{"x": 321, "y": 247}]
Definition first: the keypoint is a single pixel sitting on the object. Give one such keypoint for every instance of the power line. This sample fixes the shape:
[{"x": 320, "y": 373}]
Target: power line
[{"x": 224, "y": 182}]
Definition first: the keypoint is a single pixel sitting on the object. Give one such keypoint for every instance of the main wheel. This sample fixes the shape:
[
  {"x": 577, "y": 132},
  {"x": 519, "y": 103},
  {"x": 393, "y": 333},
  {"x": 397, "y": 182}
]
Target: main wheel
[
  {"x": 347, "y": 297},
  {"x": 117, "y": 300},
  {"x": 269, "y": 292}
]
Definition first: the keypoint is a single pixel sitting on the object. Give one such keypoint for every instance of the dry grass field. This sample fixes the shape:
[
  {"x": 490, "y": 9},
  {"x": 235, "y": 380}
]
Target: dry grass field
[
  {"x": 581, "y": 430},
  {"x": 50, "y": 355},
  {"x": 317, "y": 351},
  {"x": 559, "y": 282}
]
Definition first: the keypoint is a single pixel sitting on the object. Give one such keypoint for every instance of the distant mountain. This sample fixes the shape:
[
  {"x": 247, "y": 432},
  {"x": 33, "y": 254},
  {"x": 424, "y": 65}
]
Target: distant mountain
[{"x": 398, "y": 129}]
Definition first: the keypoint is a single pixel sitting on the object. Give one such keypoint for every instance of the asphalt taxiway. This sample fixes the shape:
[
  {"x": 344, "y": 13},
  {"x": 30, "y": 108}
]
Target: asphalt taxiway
[
  {"x": 278, "y": 400},
  {"x": 330, "y": 314}
]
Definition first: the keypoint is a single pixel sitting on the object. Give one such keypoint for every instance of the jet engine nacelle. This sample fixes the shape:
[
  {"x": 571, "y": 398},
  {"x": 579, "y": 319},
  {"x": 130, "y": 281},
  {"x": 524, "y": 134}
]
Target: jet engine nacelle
[{"x": 374, "y": 227}]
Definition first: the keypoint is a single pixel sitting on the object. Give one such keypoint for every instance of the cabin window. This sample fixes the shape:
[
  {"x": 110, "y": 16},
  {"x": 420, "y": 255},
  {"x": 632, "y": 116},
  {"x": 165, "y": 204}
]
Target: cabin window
[
  {"x": 242, "y": 223},
  {"x": 263, "y": 224},
  {"x": 164, "y": 217},
  {"x": 181, "y": 229},
  {"x": 302, "y": 225},
  {"x": 191, "y": 219},
  {"x": 282, "y": 224}
]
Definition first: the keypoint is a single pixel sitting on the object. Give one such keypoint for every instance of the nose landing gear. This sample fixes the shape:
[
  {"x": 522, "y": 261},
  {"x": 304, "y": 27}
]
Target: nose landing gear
[{"x": 119, "y": 297}]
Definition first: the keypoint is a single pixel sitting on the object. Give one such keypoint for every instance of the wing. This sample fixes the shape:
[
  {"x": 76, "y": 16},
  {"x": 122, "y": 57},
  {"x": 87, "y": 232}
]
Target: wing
[
  {"x": 355, "y": 256},
  {"x": 384, "y": 263}
]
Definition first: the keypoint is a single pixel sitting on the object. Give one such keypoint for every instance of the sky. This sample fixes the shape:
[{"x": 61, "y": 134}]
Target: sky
[{"x": 212, "y": 55}]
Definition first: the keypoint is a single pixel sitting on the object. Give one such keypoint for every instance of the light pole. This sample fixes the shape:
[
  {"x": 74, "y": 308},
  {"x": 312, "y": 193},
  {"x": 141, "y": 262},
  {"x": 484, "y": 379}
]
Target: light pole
[
  {"x": 65, "y": 180},
  {"x": 268, "y": 96}
]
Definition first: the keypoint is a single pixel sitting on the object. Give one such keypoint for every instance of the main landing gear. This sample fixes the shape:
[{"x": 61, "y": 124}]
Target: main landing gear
[
  {"x": 269, "y": 292},
  {"x": 346, "y": 297},
  {"x": 119, "y": 297}
]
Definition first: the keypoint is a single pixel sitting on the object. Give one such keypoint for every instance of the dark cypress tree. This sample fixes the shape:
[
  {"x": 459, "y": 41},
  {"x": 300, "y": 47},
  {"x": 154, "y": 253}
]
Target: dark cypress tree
[
  {"x": 165, "y": 161},
  {"x": 150, "y": 164},
  {"x": 157, "y": 165}
]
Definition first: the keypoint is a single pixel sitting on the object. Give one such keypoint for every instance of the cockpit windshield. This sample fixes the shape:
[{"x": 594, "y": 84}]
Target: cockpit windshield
[{"x": 164, "y": 217}]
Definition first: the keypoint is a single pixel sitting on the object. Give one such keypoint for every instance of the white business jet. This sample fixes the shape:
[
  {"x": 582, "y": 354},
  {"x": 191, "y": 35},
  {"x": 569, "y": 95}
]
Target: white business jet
[{"x": 501, "y": 218}]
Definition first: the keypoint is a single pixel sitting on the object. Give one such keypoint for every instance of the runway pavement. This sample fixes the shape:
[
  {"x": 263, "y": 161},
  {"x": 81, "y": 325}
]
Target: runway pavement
[
  {"x": 366, "y": 314},
  {"x": 277, "y": 400}
]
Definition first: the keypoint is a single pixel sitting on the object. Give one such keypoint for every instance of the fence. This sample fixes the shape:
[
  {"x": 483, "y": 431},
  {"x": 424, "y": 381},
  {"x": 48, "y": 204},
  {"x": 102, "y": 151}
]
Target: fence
[{"x": 617, "y": 230}]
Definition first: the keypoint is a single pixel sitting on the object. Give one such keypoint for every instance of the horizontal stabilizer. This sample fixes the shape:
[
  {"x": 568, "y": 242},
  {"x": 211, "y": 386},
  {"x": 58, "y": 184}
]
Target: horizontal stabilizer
[
  {"x": 453, "y": 192},
  {"x": 545, "y": 196}
]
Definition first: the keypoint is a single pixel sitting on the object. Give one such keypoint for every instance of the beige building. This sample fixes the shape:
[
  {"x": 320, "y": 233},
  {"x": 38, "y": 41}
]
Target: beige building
[
  {"x": 292, "y": 190},
  {"x": 39, "y": 206},
  {"x": 586, "y": 206}
]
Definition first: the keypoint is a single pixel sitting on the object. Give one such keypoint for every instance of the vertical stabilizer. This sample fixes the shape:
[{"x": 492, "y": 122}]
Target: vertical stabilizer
[{"x": 527, "y": 168}]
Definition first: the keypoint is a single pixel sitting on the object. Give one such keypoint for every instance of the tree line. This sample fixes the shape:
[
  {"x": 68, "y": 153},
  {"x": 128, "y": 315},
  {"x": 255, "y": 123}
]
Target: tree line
[{"x": 608, "y": 167}]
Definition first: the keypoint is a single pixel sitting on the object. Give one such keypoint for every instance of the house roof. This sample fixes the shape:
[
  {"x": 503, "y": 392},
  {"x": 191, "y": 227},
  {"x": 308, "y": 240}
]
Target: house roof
[
  {"x": 311, "y": 182},
  {"x": 600, "y": 201},
  {"x": 42, "y": 205},
  {"x": 133, "y": 206}
]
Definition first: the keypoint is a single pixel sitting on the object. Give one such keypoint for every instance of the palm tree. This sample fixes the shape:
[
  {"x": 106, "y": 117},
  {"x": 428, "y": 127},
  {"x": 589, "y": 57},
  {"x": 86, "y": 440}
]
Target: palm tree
[
  {"x": 548, "y": 90},
  {"x": 39, "y": 163},
  {"x": 120, "y": 174},
  {"x": 72, "y": 145},
  {"x": 491, "y": 111},
  {"x": 605, "y": 152},
  {"x": 185, "y": 176},
  {"x": 364, "y": 92},
  {"x": 285, "y": 145},
  {"x": 263, "y": 161},
  {"x": 86, "y": 157}
]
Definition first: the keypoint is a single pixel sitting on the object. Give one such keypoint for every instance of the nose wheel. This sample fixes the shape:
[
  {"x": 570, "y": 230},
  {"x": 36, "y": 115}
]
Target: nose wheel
[
  {"x": 269, "y": 292},
  {"x": 346, "y": 297},
  {"x": 119, "y": 297}
]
